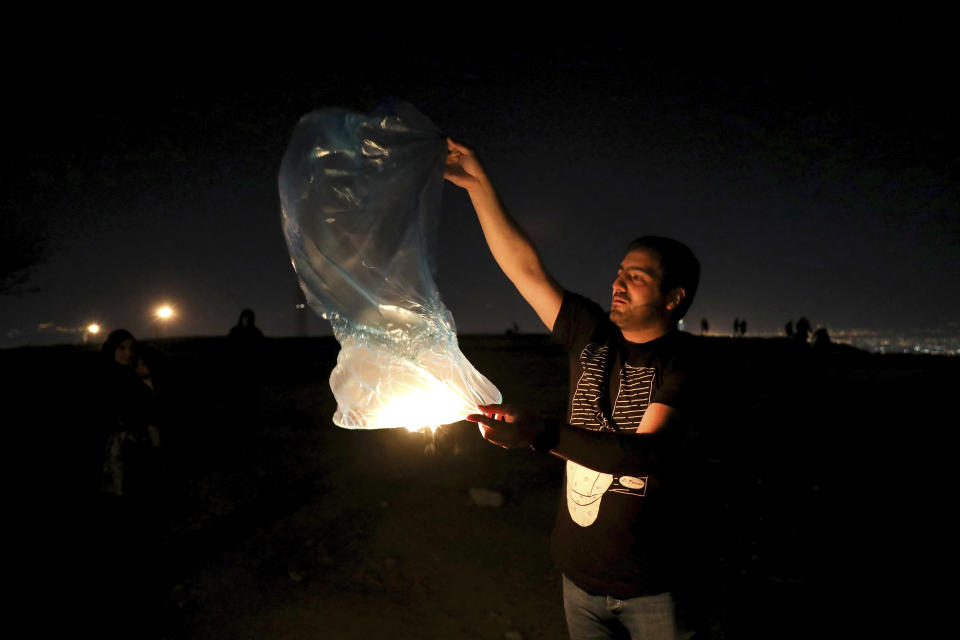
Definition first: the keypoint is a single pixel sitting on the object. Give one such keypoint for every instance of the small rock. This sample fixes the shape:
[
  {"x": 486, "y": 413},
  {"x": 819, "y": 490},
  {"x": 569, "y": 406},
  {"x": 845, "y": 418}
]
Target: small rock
[
  {"x": 513, "y": 635},
  {"x": 486, "y": 497}
]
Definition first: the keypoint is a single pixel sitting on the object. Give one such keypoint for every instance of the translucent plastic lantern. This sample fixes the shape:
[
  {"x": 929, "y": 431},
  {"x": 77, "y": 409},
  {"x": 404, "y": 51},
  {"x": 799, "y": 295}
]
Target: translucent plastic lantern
[{"x": 361, "y": 203}]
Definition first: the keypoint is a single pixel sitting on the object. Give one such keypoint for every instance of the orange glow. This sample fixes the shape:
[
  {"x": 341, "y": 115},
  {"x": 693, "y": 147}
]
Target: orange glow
[{"x": 427, "y": 403}]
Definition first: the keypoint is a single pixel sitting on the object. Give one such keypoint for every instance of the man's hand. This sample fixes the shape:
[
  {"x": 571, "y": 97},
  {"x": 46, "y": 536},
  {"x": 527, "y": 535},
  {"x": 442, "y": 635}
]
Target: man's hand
[
  {"x": 462, "y": 169},
  {"x": 507, "y": 426}
]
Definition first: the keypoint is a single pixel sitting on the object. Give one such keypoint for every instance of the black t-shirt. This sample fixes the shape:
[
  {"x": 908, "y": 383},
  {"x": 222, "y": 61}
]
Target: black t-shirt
[{"x": 613, "y": 533}]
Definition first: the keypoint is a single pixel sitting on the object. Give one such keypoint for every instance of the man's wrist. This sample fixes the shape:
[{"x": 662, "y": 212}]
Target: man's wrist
[
  {"x": 481, "y": 185},
  {"x": 546, "y": 438}
]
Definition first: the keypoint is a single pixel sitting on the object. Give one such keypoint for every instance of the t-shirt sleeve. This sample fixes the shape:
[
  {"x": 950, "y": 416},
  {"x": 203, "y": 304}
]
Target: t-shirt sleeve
[
  {"x": 577, "y": 320},
  {"x": 673, "y": 388},
  {"x": 676, "y": 387}
]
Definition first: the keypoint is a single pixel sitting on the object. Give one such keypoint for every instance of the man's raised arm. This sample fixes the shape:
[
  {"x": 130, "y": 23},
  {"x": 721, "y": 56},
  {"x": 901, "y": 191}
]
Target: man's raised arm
[{"x": 511, "y": 247}]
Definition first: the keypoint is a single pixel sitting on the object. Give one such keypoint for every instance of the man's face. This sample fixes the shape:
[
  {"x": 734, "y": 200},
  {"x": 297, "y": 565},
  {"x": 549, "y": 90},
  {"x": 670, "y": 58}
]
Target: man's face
[{"x": 637, "y": 301}]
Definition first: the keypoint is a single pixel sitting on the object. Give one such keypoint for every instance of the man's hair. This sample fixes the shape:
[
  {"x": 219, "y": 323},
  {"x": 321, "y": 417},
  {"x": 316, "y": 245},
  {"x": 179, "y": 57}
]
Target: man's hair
[{"x": 680, "y": 268}]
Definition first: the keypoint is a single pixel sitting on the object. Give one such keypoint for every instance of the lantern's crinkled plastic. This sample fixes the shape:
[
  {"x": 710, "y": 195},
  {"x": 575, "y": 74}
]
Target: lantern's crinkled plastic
[{"x": 361, "y": 203}]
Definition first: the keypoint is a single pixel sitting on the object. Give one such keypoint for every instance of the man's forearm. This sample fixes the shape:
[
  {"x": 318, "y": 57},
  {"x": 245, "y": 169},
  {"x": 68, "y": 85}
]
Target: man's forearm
[
  {"x": 615, "y": 452},
  {"x": 511, "y": 247}
]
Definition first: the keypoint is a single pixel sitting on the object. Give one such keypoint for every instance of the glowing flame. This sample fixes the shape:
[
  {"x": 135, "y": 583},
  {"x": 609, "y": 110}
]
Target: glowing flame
[
  {"x": 164, "y": 312},
  {"x": 431, "y": 405},
  {"x": 378, "y": 386},
  {"x": 93, "y": 328}
]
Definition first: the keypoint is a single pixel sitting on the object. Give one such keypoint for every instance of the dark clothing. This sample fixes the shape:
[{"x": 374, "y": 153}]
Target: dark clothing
[
  {"x": 613, "y": 534},
  {"x": 129, "y": 407},
  {"x": 120, "y": 398},
  {"x": 246, "y": 354},
  {"x": 245, "y": 358},
  {"x": 246, "y": 335}
]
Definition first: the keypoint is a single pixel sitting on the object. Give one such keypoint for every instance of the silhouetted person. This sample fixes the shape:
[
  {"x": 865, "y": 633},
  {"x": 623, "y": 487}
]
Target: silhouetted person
[
  {"x": 246, "y": 330},
  {"x": 743, "y": 326},
  {"x": 132, "y": 416},
  {"x": 147, "y": 362},
  {"x": 789, "y": 328},
  {"x": 118, "y": 394},
  {"x": 803, "y": 330},
  {"x": 704, "y": 327},
  {"x": 821, "y": 340},
  {"x": 736, "y": 327},
  {"x": 246, "y": 361},
  {"x": 128, "y": 525}
]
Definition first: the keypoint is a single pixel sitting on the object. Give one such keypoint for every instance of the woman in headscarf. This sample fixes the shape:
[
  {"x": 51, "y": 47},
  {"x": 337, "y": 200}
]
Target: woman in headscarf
[
  {"x": 128, "y": 538},
  {"x": 123, "y": 414}
]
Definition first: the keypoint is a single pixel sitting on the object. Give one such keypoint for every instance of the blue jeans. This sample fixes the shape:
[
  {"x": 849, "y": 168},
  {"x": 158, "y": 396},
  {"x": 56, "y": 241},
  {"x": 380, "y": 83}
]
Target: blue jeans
[{"x": 593, "y": 617}]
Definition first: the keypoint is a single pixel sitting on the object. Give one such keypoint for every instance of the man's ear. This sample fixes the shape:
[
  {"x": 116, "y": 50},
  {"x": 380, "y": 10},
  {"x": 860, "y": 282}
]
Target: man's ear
[{"x": 675, "y": 297}]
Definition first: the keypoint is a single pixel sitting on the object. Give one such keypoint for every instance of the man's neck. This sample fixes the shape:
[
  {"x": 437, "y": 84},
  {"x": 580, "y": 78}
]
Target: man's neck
[{"x": 648, "y": 334}]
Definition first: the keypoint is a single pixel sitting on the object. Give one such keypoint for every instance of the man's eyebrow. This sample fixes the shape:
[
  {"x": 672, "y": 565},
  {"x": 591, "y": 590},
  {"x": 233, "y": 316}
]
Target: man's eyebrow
[{"x": 647, "y": 270}]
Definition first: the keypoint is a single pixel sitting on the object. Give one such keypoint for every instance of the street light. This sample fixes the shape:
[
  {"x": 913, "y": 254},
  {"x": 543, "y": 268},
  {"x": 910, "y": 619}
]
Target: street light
[
  {"x": 92, "y": 329},
  {"x": 164, "y": 314}
]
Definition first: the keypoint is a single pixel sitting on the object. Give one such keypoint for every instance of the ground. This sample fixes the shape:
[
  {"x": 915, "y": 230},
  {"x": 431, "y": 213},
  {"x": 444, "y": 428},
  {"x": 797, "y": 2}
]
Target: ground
[{"x": 277, "y": 524}]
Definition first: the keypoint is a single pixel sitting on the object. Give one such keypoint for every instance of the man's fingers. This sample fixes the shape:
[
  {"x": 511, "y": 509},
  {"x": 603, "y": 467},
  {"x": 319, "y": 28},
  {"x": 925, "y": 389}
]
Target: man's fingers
[
  {"x": 489, "y": 429},
  {"x": 488, "y": 435},
  {"x": 494, "y": 408},
  {"x": 501, "y": 411},
  {"x": 455, "y": 146}
]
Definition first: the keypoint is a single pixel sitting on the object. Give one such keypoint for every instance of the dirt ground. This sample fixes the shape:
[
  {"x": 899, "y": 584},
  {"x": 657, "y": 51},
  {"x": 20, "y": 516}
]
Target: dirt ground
[
  {"x": 280, "y": 525},
  {"x": 383, "y": 539}
]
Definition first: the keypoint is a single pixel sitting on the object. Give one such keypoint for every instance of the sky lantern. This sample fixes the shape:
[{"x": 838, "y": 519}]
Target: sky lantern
[{"x": 360, "y": 197}]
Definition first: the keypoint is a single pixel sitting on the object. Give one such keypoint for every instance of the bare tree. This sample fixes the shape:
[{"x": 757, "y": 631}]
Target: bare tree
[{"x": 23, "y": 246}]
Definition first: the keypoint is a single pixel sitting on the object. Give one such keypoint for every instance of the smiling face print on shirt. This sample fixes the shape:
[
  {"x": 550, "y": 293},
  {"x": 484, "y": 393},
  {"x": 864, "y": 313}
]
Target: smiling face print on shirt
[{"x": 586, "y": 487}]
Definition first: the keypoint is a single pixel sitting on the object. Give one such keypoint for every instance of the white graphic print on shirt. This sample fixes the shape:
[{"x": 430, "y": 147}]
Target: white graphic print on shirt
[{"x": 585, "y": 487}]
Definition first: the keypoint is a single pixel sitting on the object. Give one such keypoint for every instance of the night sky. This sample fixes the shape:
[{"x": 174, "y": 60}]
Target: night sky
[{"x": 820, "y": 182}]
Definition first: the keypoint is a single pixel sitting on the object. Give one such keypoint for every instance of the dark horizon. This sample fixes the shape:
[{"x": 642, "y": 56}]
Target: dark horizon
[{"x": 819, "y": 184}]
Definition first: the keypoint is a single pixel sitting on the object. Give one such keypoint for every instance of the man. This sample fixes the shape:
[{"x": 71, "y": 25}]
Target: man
[{"x": 629, "y": 391}]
